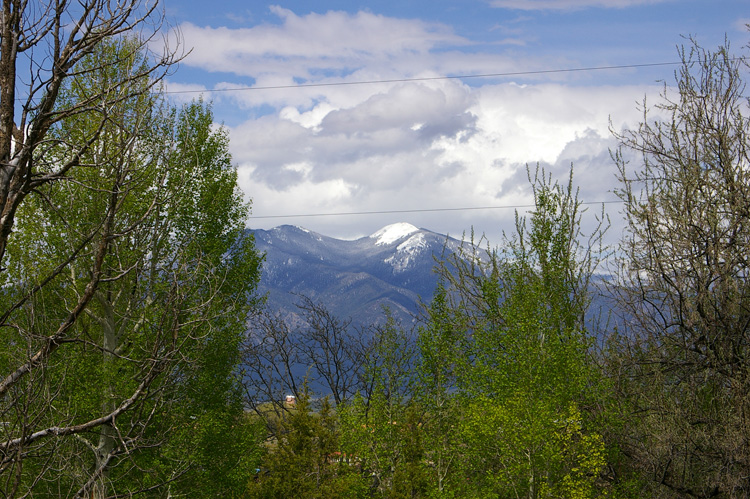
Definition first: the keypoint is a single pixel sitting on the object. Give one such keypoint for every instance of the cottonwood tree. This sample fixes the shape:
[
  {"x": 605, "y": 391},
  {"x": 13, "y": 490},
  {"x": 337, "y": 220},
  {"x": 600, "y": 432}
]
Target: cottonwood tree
[
  {"x": 125, "y": 277},
  {"x": 505, "y": 360},
  {"x": 440, "y": 358},
  {"x": 39, "y": 49},
  {"x": 683, "y": 361}
]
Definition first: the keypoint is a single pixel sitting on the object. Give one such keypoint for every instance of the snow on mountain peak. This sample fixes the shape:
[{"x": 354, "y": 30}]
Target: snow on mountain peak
[
  {"x": 392, "y": 233},
  {"x": 413, "y": 244}
]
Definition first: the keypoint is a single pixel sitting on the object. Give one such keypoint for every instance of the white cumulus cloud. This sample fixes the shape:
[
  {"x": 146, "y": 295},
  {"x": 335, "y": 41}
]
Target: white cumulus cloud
[
  {"x": 401, "y": 145},
  {"x": 312, "y": 45}
]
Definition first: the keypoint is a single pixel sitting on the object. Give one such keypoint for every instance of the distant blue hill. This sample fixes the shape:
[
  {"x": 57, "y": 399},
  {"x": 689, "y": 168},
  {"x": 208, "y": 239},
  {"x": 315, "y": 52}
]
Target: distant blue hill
[
  {"x": 393, "y": 268},
  {"x": 354, "y": 279}
]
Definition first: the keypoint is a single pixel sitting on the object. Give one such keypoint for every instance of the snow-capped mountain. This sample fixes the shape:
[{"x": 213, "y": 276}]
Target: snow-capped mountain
[{"x": 392, "y": 267}]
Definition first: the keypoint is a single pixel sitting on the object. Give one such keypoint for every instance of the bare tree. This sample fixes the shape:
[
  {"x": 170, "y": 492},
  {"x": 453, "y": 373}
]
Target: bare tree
[
  {"x": 272, "y": 367},
  {"x": 321, "y": 353},
  {"x": 41, "y": 51},
  {"x": 683, "y": 363},
  {"x": 50, "y": 40},
  {"x": 333, "y": 349}
]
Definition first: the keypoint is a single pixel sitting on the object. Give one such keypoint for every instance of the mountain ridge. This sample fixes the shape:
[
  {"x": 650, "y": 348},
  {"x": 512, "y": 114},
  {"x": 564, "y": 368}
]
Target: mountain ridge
[{"x": 393, "y": 268}]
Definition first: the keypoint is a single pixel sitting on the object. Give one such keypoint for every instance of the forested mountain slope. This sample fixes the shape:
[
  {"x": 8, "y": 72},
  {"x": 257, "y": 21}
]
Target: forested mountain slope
[{"x": 391, "y": 268}]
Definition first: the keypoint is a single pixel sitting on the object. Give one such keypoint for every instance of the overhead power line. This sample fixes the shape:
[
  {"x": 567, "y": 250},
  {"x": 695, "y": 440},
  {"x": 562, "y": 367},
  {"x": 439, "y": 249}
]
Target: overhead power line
[
  {"x": 423, "y": 210},
  {"x": 432, "y": 78}
]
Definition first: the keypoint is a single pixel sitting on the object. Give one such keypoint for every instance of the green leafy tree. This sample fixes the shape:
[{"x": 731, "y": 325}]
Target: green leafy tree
[
  {"x": 382, "y": 429},
  {"x": 305, "y": 460},
  {"x": 137, "y": 259},
  {"x": 441, "y": 360},
  {"x": 32, "y": 334},
  {"x": 514, "y": 323}
]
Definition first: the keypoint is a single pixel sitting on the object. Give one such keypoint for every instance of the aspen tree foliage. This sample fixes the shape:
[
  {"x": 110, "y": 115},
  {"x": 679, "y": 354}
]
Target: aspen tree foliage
[{"x": 514, "y": 324}]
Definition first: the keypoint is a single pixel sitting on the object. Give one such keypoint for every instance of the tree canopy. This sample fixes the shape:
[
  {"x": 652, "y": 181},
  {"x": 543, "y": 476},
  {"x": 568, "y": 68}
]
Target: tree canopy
[
  {"x": 128, "y": 279},
  {"x": 127, "y": 275}
]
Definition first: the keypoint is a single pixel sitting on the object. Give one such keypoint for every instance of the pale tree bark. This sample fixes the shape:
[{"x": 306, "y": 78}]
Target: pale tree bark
[
  {"x": 60, "y": 34},
  {"x": 42, "y": 47},
  {"x": 65, "y": 32},
  {"x": 681, "y": 364}
]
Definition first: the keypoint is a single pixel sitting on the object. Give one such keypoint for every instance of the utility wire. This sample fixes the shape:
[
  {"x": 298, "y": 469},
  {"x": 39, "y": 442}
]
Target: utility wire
[
  {"x": 424, "y": 210},
  {"x": 432, "y": 78}
]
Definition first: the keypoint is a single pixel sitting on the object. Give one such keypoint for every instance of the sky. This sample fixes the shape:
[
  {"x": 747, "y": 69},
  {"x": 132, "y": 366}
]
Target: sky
[{"x": 347, "y": 116}]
